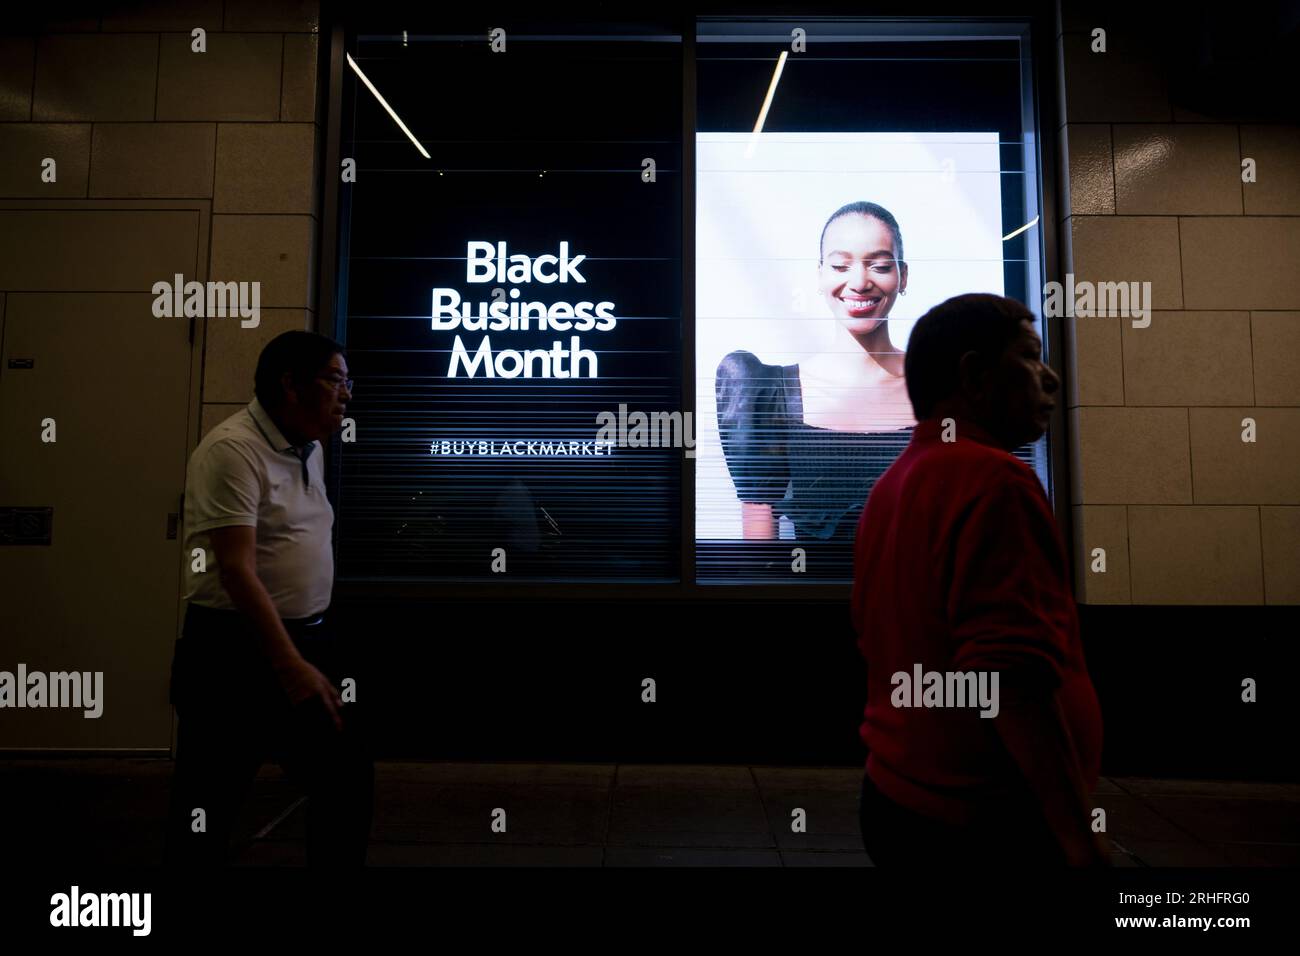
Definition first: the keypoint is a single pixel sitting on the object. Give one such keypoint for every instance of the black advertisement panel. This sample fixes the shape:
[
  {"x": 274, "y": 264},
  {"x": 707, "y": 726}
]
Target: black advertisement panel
[{"x": 509, "y": 300}]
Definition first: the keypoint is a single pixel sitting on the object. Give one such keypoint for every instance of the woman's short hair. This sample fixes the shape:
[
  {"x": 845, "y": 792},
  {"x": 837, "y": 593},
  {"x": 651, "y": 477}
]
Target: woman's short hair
[
  {"x": 302, "y": 354},
  {"x": 871, "y": 210},
  {"x": 975, "y": 322}
]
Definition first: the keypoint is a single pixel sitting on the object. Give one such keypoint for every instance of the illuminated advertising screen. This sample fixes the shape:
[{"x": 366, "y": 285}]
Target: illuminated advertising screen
[
  {"x": 843, "y": 187},
  {"x": 816, "y": 253},
  {"x": 503, "y": 293}
]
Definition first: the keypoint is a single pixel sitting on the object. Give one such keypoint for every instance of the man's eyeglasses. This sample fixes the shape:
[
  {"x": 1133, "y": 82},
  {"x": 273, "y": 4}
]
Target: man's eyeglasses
[{"x": 338, "y": 383}]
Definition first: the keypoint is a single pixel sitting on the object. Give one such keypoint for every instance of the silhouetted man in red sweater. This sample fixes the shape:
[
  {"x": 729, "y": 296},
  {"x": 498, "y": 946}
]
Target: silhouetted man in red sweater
[{"x": 982, "y": 726}]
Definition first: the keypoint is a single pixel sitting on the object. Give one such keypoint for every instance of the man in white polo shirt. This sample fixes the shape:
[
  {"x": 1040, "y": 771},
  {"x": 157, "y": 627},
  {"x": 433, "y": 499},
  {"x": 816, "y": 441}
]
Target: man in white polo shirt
[{"x": 255, "y": 671}]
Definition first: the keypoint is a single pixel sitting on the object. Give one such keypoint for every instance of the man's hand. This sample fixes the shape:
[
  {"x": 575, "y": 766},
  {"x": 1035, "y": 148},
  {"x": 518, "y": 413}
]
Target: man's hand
[
  {"x": 236, "y": 551},
  {"x": 303, "y": 682},
  {"x": 1032, "y": 728}
]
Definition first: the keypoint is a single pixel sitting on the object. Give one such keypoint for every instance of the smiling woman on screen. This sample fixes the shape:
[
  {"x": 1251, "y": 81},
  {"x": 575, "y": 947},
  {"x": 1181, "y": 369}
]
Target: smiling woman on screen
[{"x": 808, "y": 441}]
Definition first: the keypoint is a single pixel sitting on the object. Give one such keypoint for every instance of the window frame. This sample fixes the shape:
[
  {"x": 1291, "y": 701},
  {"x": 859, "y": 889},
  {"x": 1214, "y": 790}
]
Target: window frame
[{"x": 1033, "y": 25}]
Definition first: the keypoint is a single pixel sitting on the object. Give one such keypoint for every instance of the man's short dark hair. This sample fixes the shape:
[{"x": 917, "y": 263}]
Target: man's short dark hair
[
  {"x": 301, "y": 354},
  {"x": 975, "y": 322}
]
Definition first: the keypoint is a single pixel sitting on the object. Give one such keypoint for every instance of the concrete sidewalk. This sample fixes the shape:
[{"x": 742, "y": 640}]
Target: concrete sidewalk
[{"x": 105, "y": 811}]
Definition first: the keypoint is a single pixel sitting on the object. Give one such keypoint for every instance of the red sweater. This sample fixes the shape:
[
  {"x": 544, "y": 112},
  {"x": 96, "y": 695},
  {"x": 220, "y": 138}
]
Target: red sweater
[{"x": 959, "y": 566}]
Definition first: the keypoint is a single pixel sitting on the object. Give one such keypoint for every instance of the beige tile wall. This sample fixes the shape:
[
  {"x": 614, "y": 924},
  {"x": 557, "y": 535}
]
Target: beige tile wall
[
  {"x": 129, "y": 111},
  {"x": 1185, "y": 510},
  {"x": 167, "y": 161}
]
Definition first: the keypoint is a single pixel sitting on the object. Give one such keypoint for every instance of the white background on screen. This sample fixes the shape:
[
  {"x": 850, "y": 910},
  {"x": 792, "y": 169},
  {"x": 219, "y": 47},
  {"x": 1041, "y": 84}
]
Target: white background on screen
[{"x": 758, "y": 222}]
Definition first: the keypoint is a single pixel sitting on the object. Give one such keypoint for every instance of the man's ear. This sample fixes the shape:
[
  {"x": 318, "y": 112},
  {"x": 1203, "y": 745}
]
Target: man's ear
[
  {"x": 288, "y": 389},
  {"x": 972, "y": 375}
]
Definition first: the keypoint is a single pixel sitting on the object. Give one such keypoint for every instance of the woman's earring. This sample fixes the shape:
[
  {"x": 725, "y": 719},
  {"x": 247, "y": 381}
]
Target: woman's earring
[{"x": 902, "y": 292}]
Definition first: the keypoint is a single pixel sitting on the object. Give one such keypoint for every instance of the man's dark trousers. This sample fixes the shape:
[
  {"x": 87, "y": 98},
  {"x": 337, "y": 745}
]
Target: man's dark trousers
[{"x": 234, "y": 716}]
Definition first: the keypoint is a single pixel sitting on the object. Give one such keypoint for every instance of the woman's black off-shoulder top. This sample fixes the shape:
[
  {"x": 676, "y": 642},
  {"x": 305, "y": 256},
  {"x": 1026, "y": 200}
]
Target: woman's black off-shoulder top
[{"x": 819, "y": 478}]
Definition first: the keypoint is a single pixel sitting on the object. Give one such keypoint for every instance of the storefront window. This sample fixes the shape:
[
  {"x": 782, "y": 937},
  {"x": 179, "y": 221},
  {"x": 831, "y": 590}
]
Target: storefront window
[{"x": 629, "y": 309}]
